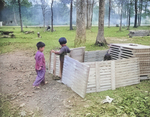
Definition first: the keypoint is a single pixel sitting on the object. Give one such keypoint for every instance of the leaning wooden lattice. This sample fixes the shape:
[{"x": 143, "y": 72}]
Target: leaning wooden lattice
[{"x": 75, "y": 75}]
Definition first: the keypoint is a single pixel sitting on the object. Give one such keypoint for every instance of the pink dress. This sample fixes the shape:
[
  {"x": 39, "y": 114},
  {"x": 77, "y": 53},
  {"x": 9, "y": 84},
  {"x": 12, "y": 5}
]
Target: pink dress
[{"x": 40, "y": 68}]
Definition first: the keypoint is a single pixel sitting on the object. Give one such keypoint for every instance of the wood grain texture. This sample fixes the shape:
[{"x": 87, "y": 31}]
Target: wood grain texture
[
  {"x": 142, "y": 52},
  {"x": 75, "y": 75},
  {"x": 112, "y": 74}
]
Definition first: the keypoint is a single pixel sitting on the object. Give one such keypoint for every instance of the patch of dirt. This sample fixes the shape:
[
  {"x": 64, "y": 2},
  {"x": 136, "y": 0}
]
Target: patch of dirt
[
  {"x": 17, "y": 75},
  {"x": 117, "y": 40}
]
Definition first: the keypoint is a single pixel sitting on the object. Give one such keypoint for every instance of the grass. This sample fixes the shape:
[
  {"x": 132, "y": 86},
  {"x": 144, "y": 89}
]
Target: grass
[
  {"x": 5, "y": 108},
  {"x": 131, "y": 101},
  {"x": 28, "y": 41},
  {"x": 128, "y": 101}
]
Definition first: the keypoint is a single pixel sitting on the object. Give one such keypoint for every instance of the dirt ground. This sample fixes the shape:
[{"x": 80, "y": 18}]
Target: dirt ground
[{"x": 17, "y": 75}]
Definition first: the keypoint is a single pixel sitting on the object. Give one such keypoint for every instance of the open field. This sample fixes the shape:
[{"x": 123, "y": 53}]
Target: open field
[
  {"x": 17, "y": 75},
  {"x": 28, "y": 41}
]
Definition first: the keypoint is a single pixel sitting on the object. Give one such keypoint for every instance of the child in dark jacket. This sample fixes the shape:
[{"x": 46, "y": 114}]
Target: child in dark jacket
[{"x": 63, "y": 51}]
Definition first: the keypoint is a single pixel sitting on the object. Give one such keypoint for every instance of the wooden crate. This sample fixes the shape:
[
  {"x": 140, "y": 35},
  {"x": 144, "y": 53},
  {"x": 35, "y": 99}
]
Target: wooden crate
[
  {"x": 119, "y": 51},
  {"x": 100, "y": 76}
]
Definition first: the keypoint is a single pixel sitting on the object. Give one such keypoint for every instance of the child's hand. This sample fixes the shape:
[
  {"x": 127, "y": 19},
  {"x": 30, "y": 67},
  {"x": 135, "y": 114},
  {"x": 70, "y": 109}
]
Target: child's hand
[
  {"x": 40, "y": 68},
  {"x": 53, "y": 51}
]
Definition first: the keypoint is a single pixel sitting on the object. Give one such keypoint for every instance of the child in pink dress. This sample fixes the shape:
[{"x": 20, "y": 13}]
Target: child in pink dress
[{"x": 40, "y": 65}]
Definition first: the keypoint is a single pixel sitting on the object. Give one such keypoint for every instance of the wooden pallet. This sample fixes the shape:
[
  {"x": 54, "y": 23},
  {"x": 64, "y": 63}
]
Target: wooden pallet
[{"x": 120, "y": 51}]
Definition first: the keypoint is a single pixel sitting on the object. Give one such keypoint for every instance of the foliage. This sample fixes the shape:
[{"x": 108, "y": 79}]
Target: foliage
[
  {"x": 131, "y": 101},
  {"x": 5, "y": 110}
]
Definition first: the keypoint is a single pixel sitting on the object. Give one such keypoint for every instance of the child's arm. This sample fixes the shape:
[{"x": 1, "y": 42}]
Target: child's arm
[
  {"x": 40, "y": 62},
  {"x": 58, "y": 53}
]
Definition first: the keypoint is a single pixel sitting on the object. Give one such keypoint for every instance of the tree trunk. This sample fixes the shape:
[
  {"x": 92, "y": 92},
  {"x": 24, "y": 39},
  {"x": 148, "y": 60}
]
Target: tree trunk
[
  {"x": 80, "y": 23},
  {"x": 20, "y": 15},
  {"x": 89, "y": 13},
  {"x": 135, "y": 20},
  {"x": 121, "y": 17},
  {"x": 141, "y": 8},
  {"x": 43, "y": 6},
  {"x": 145, "y": 7},
  {"x": 100, "y": 40},
  {"x": 109, "y": 14},
  {"x": 44, "y": 18},
  {"x": 71, "y": 9},
  {"x": 14, "y": 16},
  {"x": 52, "y": 17},
  {"x": 129, "y": 15}
]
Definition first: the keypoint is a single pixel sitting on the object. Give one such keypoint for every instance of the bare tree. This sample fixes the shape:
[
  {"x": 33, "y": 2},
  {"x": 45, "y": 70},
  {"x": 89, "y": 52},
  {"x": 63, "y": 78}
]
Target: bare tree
[
  {"x": 89, "y": 13},
  {"x": 109, "y": 13},
  {"x": 20, "y": 15},
  {"x": 71, "y": 9},
  {"x": 52, "y": 16},
  {"x": 80, "y": 23},
  {"x": 129, "y": 13},
  {"x": 121, "y": 8},
  {"x": 120, "y": 4},
  {"x": 14, "y": 15},
  {"x": 44, "y": 7},
  {"x": 136, "y": 11},
  {"x": 100, "y": 40},
  {"x": 140, "y": 12}
]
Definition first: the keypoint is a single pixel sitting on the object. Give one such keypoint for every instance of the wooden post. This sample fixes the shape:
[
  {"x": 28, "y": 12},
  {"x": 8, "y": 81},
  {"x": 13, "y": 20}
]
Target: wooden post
[
  {"x": 97, "y": 76},
  {"x": 54, "y": 66},
  {"x": 113, "y": 80},
  {"x": 49, "y": 68}
]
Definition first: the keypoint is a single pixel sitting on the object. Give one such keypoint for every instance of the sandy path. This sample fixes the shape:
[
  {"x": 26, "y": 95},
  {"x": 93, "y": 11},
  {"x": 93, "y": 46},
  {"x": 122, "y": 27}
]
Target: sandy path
[{"x": 16, "y": 77}]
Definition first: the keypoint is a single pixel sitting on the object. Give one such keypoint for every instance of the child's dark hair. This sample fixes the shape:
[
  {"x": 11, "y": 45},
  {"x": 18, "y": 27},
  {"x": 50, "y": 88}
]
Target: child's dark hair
[
  {"x": 40, "y": 45},
  {"x": 107, "y": 56},
  {"x": 62, "y": 40}
]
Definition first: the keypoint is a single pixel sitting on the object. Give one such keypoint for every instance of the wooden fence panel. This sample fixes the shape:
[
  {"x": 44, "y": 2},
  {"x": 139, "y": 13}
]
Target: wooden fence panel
[
  {"x": 142, "y": 52},
  {"x": 127, "y": 72},
  {"x": 108, "y": 75},
  {"x": 75, "y": 75},
  {"x": 92, "y": 56},
  {"x": 91, "y": 85},
  {"x": 54, "y": 61},
  {"x": 78, "y": 53}
]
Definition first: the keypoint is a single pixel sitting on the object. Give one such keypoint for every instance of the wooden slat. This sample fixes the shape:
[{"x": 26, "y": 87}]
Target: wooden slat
[{"x": 113, "y": 85}]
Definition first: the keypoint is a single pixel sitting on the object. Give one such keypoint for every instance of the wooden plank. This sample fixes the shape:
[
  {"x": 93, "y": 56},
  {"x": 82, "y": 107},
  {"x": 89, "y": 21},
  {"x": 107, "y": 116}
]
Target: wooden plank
[
  {"x": 113, "y": 85},
  {"x": 78, "y": 77},
  {"x": 97, "y": 77},
  {"x": 78, "y": 53},
  {"x": 49, "y": 62}
]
